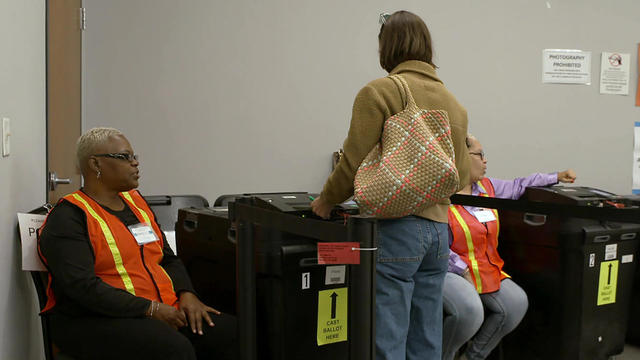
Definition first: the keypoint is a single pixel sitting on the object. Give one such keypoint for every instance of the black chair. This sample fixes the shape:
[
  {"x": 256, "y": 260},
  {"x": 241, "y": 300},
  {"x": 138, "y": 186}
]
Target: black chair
[
  {"x": 40, "y": 281},
  {"x": 224, "y": 200},
  {"x": 51, "y": 352},
  {"x": 166, "y": 207}
]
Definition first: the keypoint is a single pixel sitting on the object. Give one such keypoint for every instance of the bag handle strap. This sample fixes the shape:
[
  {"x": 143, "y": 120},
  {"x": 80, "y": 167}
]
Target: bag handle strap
[{"x": 404, "y": 90}]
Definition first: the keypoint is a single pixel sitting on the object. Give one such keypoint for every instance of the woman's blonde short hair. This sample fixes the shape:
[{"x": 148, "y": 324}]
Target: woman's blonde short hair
[
  {"x": 89, "y": 141},
  {"x": 469, "y": 137}
]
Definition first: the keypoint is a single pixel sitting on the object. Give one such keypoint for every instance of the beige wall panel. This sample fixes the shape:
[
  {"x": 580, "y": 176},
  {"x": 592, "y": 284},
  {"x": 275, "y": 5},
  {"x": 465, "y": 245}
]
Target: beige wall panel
[
  {"x": 229, "y": 96},
  {"x": 22, "y": 173}
]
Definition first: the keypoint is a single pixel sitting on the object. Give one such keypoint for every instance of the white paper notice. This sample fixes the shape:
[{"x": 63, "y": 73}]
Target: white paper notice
[
  {"x": 611, "y": 251},
  {"x": 29, "y": 225},
  {"x": 171, "y": 239},
  {"x": 566, "y": 66},
  {"x": 614, "y": 73},
  {"x": 335, "y": 274},
  {"x": 636, "y": 158}
]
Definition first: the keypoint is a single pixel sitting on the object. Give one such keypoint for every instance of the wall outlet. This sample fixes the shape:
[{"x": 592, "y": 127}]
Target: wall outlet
[{"x": 6, "y": 137}]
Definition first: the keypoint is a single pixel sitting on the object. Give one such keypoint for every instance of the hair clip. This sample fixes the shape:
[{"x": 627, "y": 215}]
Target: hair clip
[{"x": 383, "y": 18}]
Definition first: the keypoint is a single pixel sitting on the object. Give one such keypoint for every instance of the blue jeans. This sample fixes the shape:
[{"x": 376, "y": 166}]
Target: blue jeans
[
  {"x": 413, "y": 254},
  {"x": 504, "y": 309}
]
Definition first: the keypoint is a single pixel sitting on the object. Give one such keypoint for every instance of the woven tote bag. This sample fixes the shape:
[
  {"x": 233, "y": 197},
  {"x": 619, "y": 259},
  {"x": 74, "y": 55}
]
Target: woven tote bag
[{"x": 413, "y": 165}]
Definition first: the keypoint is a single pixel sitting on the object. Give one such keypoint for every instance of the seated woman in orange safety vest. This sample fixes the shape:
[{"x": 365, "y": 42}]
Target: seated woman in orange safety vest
[
  {"x": 481, "y": 302},
  {"x": 116, "y": 289}
]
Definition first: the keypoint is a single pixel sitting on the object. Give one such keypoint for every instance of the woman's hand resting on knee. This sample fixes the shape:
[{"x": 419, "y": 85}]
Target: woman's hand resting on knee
[
  {"x": 163, "y": 312},
  {"x": 195, "y": 311}
]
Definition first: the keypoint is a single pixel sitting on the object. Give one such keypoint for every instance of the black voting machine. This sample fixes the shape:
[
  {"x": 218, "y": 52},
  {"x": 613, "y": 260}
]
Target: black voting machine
[
  {"x": 547, "y": 240},
  {"x": 573, "y": 250},
  {"x": 268, "y": 242}
]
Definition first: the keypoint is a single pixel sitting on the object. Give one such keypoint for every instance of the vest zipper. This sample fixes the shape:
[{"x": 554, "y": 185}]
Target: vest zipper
[
  {"x": 487, "y": 251},
  {"x": 486, "y": 227},
  {"x": 149, "y": 272}
]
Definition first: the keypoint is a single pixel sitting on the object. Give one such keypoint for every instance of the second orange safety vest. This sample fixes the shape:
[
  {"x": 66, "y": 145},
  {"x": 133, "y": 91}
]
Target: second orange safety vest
[
  {"x": 477, "y": 244},
  {"x": 119, "y": 260}
]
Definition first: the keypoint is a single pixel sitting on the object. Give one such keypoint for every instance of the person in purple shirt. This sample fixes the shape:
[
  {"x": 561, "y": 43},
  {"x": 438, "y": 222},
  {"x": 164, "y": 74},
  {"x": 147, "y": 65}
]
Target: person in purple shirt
[{"x": 483, "y": 319}]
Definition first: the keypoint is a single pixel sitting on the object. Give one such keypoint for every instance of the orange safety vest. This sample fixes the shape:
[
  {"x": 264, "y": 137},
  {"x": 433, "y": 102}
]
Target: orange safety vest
[
  {"x": 477, "y": 244},
  {"x": 118, "y": 257}
]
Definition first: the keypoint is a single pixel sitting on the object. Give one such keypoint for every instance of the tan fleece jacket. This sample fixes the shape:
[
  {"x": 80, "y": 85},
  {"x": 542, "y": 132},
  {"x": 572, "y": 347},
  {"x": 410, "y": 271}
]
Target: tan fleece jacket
[{"x": 375, "y": 103}]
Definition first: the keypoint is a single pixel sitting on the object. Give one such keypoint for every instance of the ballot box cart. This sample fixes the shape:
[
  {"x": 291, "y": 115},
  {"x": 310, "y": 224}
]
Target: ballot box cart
[
  {"x": 208, "y": 254},
  {"x": 206, "y": 244},
  {"x": 283, "y": 294},
  {"x": 633, "y": 330},
  {"x": 578, "y": 275}
]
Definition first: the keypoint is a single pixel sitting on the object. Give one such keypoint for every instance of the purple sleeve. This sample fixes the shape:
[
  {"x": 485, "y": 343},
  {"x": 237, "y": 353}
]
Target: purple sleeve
[
  {"x": 513, "y": 189},
  {"x": 456, "y": 264}
]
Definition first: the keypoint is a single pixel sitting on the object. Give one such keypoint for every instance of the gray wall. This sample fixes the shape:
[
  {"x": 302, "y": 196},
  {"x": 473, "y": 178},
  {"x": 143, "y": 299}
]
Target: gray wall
[
  {"x": 232, "y": 96},
  {"x": 22, "y": 179}
]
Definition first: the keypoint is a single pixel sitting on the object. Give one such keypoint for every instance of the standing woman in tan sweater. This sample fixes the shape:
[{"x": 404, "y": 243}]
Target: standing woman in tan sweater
[{"x": 413, "y": 251}]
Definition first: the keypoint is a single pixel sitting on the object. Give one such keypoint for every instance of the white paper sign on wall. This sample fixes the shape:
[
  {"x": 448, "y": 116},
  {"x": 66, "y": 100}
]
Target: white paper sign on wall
[
  {"x": 614, "y": 73},
  {"x": 563, "y": 66}
]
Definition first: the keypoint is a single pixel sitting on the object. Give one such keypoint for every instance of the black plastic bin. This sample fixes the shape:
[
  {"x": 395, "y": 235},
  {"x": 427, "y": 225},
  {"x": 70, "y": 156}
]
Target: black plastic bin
[
  {"x": 273, "y": 269},
  {"x": 208, "y": 255},
  {"x": 166, "y": 207},
  {"x": 578, "y": 275},
  {"x": 633, "y": 331}
]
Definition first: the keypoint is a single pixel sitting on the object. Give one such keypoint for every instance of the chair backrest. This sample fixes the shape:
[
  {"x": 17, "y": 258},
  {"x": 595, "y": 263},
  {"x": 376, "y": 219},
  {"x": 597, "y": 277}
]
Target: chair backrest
[
  {"x": 40, "y": 281},
  {"x": 224, "y": 200},
  {"x": 166, "y": 207}
]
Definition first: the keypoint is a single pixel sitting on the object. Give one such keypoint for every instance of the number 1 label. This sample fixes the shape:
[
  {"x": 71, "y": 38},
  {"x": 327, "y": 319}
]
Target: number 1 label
[{"x": 306, "y": 280}]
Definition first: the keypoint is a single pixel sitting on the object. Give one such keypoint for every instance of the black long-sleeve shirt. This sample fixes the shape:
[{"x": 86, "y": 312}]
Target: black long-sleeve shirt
[{"x": 65, "y": 245}]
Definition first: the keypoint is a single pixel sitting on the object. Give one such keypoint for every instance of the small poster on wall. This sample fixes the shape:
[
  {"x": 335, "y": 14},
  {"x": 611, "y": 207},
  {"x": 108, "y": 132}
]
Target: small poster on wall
[
  {"x": 563, "y": 66},
  {"x": 614, "y": 73}
]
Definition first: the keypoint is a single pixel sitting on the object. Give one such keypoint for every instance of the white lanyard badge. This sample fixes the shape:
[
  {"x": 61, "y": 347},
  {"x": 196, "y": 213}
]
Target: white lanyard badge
[
  {"x": 484, "y": 215},
  {"x": 143, "y": 232}
]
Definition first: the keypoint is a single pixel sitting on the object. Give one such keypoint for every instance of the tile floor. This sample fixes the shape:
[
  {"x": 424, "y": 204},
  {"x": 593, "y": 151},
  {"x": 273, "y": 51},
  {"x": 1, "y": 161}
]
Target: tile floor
[{"x": 630, "y": 353}]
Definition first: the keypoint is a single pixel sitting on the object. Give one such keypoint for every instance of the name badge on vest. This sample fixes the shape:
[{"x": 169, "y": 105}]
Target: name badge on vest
[
  {"x": 484, "y": 215},
  {"x": 143, "y": 232}
]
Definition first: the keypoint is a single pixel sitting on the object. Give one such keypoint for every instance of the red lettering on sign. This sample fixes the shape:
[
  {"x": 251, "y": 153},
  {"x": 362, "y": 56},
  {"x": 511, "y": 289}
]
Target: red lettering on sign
[{"x": 339, "y": 253}]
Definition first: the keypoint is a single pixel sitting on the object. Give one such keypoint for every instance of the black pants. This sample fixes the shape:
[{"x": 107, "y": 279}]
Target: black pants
[{"x": 142, "y": 338}]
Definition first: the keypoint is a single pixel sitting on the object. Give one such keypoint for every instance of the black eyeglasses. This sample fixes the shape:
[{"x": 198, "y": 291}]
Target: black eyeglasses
[
  {"x": 481, "y": 154},
  {"x": 119, "y": 156}
]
